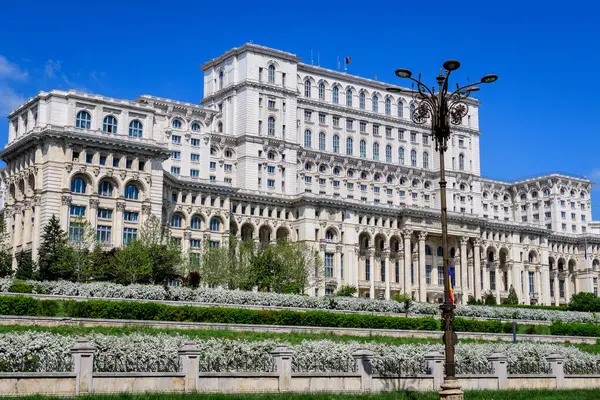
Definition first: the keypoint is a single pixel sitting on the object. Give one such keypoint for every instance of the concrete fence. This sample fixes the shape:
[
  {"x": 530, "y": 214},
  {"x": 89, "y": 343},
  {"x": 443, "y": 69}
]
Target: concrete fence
[{"x": 83, "y": 379}]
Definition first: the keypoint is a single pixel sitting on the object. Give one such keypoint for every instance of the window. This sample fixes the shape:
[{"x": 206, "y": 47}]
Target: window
[
  {"x": 401, "y": 156},
  {"x": 307, "y": 179},
  {"x": 428, "y": 274},
  {"x": 110, "y": 124},
  {"x": 228, "y": 167},
  {"x": 194, "y": 173},
  {"x": 104, "y": 213},
  {"x": 102, "y": 160},
  {"x": 413, "y": 137},
  {"x": 349, "y": 146},
  {"x": 195, "y": 157},
  {"x": 461, "y": 162},
  {"x": 400, "y": 109},
  {"x": 375, "y": 105},
  {"x": 388, "y": 153},
  {"x": 271, "y": 183},
  {"x": 220, "y": 127},
  {"x": 307, "y": 138},
  {"x": 129, "y": 235},
  {"x": 77, "y": 211},
  {"x": 176, "y": 139},
  {"x": 128, "y": 163},
  {"x": 368, "y": 269},
  {"x": 283, "y": 79},
  {"x": 388, "y": 106},
  {"x": 212, "y": 165},
  {"x": 271, "y": 105},
  {"x": 329, "y": 265},
  {"x": 271, "y": 74},
  {"x": 130, "y": 216},
  {"x": 413, "y": 158},
  {"x": 78, "y": 185},
  {"x": 322, "y": 141},
  {"x": 349, "y": 124},
  {"x": 425, "y": 160},
  {"x": 104, "y": 233},
  {"x": 425, "y": 138},
  {"x": 349, "y": 98},
  {"x": 131, "y": 192},
  {"x": 441, "y": 276},
  {"x": 141, "y": 165},
  {"x": 176, "y": 123},
  {"x": 176, "y": 155},
  {"x": 83, "y": 120},
  {"x": 221, "y": 79},
  {"x": 215, "y": 225},
  {"x": 175, "y": 170},
  {"x": 322, "y": 118},
  {"x": 335, "y": 93},
  {"x": 271, "y": 126},
  {"x": 376, "y": 151},
  {"x": 375, "y": 130},
  {"x": 321, "y": 91},
  {"x": 135, "y": 128},
  {"x": 336, "y": 144},
  {"x": 195, "y": 126},
  {"x": 176, "y": 221},
  {"x": 388, "y": 132},
  {"x": 412, "y": 110},
  {"x": 105, "y": 189},
  {"x": 195, "y": 223},
  {"x": 363, "y": 149}
]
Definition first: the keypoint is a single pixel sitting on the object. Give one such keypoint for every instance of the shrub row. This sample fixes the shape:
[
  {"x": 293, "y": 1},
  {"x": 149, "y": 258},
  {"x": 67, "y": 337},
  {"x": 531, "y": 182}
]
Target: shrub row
[{"x": 574, "y": 329}]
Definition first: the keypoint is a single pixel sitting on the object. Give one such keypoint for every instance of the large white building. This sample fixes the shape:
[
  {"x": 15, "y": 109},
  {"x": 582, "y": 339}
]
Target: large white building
[{"x": 284, "y": 149}]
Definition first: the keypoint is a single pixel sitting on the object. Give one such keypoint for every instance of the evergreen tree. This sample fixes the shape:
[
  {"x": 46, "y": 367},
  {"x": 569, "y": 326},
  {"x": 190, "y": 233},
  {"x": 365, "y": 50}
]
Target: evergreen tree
[
  {"x": 5, "y": 254},
  {"x": 512, "y": 296},
  {"x": 26, "y": 267},
  {"x": 54, "y": 256}
]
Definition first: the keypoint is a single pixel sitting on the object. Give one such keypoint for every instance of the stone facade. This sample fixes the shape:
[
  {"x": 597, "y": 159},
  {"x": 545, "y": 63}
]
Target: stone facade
[{"x": 284, "y": 149}]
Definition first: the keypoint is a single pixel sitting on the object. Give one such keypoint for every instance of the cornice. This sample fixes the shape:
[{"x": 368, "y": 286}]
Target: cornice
[
  {"x": 260, "y": 85},
  {"x": 197, "y": 184},
  {"x": 253, "y": 48}
]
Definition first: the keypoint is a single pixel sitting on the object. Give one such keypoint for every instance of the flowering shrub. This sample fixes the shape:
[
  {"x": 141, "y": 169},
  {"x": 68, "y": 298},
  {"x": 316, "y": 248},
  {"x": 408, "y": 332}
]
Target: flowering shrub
[
  {"x": 42, "y": 351},
  {"x": 237, "y": 297}
]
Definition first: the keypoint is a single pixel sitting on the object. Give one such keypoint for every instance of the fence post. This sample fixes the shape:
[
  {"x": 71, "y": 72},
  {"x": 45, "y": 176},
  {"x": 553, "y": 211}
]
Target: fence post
[
  {"x": 189, "y": 356},
  {"x": 435, "y": 365},
  {"x": 499, "y": 365},
  {"x": 557, "y": 365},
  {"x": 83, "y": 366},
  {"x": 283, "y": 362},
  {"x": 364, "y": 366}
]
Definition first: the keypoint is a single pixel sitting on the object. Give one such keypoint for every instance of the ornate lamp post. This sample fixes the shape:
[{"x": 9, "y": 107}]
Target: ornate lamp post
[{"x": 443, "y": 109}]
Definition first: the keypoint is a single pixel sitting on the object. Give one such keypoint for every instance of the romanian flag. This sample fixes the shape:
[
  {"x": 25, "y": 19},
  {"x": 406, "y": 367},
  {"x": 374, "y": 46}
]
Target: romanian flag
[
  {"x": 348, "y": 60},
  {"x": 451, "y": 283}
]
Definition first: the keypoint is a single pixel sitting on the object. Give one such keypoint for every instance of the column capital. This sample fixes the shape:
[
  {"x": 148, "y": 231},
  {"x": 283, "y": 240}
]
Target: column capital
[
  {"x": 66, "y": 199},
  {"x": 146, "y": 209},
  {"x": 407, "y": 233},
  {"x": 464, "y": 240},
  {"x": 120, "y": 206},
  {"x": 339, "y": 248},
  {"x": 422, "y": 236},
  {"x": 477, "y": 242},
  {"x": 94, "y": 203}
]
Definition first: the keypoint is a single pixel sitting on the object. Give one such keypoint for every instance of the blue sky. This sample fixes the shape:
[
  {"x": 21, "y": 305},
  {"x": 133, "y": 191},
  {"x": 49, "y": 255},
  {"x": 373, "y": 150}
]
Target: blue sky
[{"x": 539, "y": 116}]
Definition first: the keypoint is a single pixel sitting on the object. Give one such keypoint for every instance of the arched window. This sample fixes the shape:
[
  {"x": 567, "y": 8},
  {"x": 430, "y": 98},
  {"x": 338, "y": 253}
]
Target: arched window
[
  {"x": 388, "y": 153},
  {"x": 389, "y": 179},
  {"x": 363, "y": 149},
  {"x": 440, "y": 251},
  {"x": 413, "y": 158},
  {"x": 388, "y": 106},
  {"x": 271, "y": 75},
  {"x": 307, "y": 88},
  {"x": 220, "y": 127},
  {"x": 361, "y": 100},
  {"x": 215, "y": 225},
  {"x": 349, "y": 97},
  {"x": 452, "y": 252},
  {"x": 412, "y": 110},
  {"x": 321, "y": 91},
  {"x": 461, "y": 162},
  {"x": 336, "y": 95},
  {"x": 131, "y": 192},
  {"x": 425, "y": 160},
  {"x": 401, "y": 156},
  {"x": 376, "y": 177},
  {"x": 376, "y": 151},
  {"x": 336, "y": 144},
  {"x": 400, "y": 109},
  {"x": 271, "y": 126},
  {"x": 195, "y": 223},
  {"x": 375, "y": 107},
  {"x": 110, "y": 124},
  {"x": 83, "y": 120},
  {"x": 336, "y": 170},
  {"x": 78, "y": 185},
  {"x": 322, "y": 138},
  {"x": 135, "y": 128},
  {"x": 176, "y": 123},
  {"x": 195, "y": 126},
  {"x": 176, "y": 221},
  {"x": 105, "y": 189},
  {"x": 427, "y": 250},
  {"x": 330, "y": 235},
  {"x": 349, "y": 146},
  {"x": 221, "y": 79},
  {"x": 307, "y": 138}
]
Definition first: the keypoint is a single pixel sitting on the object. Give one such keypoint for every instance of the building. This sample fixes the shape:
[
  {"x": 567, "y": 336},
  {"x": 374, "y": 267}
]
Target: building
[{"x": 284, "y": 149}]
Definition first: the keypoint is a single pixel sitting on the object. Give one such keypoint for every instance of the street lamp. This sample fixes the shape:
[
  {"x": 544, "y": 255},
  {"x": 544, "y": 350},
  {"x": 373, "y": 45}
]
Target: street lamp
[{"x": 443, "y": 109}]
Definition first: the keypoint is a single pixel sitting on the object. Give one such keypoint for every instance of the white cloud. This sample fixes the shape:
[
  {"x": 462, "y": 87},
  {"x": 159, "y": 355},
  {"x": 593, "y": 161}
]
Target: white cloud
[
  {"x": 52, "y": 67},
  {"x": 11, "y": 71},
  {"x": 9, "y": 100}
]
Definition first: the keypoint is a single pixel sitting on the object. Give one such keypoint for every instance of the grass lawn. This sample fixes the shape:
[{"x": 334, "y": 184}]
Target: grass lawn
[{"x": 475, "y": 395}]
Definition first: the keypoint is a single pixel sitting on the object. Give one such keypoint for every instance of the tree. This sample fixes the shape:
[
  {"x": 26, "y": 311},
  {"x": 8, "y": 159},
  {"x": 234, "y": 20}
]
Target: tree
[
  {"x": 584, "y": 301},
  {"x": 102, "y": 265},
  {"x": 346, "y": 291},
  {"x": 81, "y": 245},
  {"x": 5, "y": 253},
  {"x": 165, "y": 256},
  {"x": 26, "y": 267},
  {"x": 133, "y": 264},
  {"x": 489, "y": 299},
  {"x": 405, "y": 299},
  {"x": 512, "y": 298},
  {"x": 54, "y": 256}
]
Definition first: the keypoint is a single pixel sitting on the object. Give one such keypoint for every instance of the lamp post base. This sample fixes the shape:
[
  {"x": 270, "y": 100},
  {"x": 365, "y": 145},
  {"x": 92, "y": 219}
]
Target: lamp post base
[{"x": 451, "y": 390}]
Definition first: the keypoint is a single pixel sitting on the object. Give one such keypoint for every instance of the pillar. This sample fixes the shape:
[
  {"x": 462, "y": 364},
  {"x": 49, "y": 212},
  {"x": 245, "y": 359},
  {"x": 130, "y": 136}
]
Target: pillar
[
  {"x": 498, "y": 279},
  {"x": 93, "y": 213},
  {"x": 386, "y": 259},
  {"x": 545, "y": 284},
  {"x": 37, "y": 226},
  {"x": 407, "y": 262},
  {"x": 556, "y": 291},
  {"x": 477, "y": 267},
  {"x": 435, "y": 367},
  {"x": 118, "y": 233},
  {"x": 557, "y": 366},
  {"x": 18, "y": 232},
  {"x": 499, "y": 366},
  {"x": 526, "y": 293},
  {"x": 83, "y": 366},
  {"x": 421, "y": 280},
  {"x": 363, "y": 359},
  {"x": 463, "y": 269},
  {"x": 371, "y": 273},
  {"x": 282, "y": 356},
  {"x": 568, "y": 286},
  {"x": 189, "y": 355},
  {"x": 65, "y": 212},
  {"x": 27, "y": 222},
  {"x": 537, "y": 281}
]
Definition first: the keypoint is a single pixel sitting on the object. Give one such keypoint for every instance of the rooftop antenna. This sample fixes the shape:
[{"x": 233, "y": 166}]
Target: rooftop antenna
[
  {"x": 250, "y": 42},
  {"x": 312, "y": 61},
  {"x": 339, "y": 63},
  {"x": 318, "y": 59}
]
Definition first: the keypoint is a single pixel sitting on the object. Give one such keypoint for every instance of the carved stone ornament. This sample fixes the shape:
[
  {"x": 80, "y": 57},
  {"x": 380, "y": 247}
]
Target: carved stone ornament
[
  {"x": 96, "y": 171},
  {"x": 82, "y": 168},
  {"x": 322, "y": 246},
  {"x": 187, "y": 235},
  {"x": 94, "y": 203},
  {"x": 120, "y": 206},
  {"x": 123, "y": 174},
  {"x": 69, "y": 167},
  {"x": 146, "y": 209},
  {"x": 66, "y": 199},
  {"x": 37, "y": 201},
  {"x": 339, "y": 248}
]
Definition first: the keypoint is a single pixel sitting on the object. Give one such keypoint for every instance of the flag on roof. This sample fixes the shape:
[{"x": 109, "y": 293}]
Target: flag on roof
[{"x": 348, "y": 60}]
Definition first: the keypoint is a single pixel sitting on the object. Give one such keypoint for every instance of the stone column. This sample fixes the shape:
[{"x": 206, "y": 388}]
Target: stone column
[
  {"x": 498, "y": 279},
  {"x": 556, "y": 291},
  {"x": 463, "y": 269},
  {"x": 545, "y": 284},
  {"x": 486, "y": 276},
  {"x": 557, "y": 366},
  {"x": 185, "y": 245},
  {"x": 146, "y": 212},
  {"x": 537, "y": 281},
  {"x": 499, "y": 365},
  {"x": 118, "y": 233},
  {"x": 27, "y": 222},
  {"x": 421, "y": 280},
  {"x": 283, "y": 362},
  {"x": 65, "y": 212},
  {"x": 386, "y": 259},
  {"x": 93, "y": 215},
  {"x": 37, "y": 228},
  {"x": 189, "y": 355},
  {"x": 370, "y": 257},
  {"x": 363, "y": 359},
  {"x": 526, "y": 285},
  {"x": 568, "y": 286},
  {"x": 339, "y": 249},
  {"x": 477, "y": 267},
  {"x": 407, "y": 262},
  {"x": 83, "y": 366},
  {"x": 435, "y": 367}
]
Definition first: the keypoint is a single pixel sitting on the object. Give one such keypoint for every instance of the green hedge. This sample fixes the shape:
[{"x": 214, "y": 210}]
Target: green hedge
[
  {"x": 474, "y": 325},
  {"x": 574, "y": 329}
]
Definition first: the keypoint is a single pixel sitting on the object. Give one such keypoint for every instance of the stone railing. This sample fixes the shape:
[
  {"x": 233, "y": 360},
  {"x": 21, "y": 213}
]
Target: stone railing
[{"x": 83, "y": 379}]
